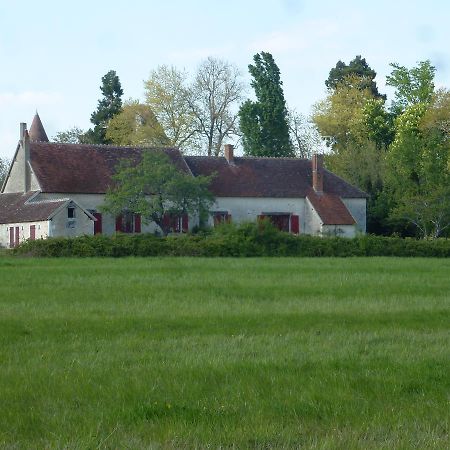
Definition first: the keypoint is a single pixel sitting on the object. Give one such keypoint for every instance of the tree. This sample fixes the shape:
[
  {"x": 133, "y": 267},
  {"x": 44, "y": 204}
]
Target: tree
[
  {"x": 357, "y": 127},
  {"x": 155, "y": 188},
  {"x": 363, "y": 76},
  {"x": 4, "y": 166},
  {"x": 74, "y": 135},
  {"x": 215, "y": 92},
  {"x": 412, "y": 86},
  {"x": 305, "y": 137},
  {"x": 418, "y": 172},
  {"x": 264, "y": 123},
  {"x": 167, "y": 93},
  {"x": 136, "y": 125},
  {"x": 108, "y": 107}
]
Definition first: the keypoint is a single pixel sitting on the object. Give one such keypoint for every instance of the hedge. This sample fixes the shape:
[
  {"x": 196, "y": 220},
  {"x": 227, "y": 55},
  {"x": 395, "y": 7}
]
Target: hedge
[{"x": 233, "y": 240}]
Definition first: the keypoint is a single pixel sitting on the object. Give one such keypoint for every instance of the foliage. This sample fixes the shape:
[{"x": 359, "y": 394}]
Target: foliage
[
  {"x": 154, "y": 187},
  {"x": 136, "y": 125},
  {"x": 4, "y": 167},
  {"x": 215, "y": 92},
  {"x": 244, "y": 240},
  {"x": 351, "y": 119},
  {"x": 74, "y": 135},
  {"x": 264, "y": 123},
  {"x": 356, "y": 74},
  {"x": 418, "y": 169},
  {"x": 412, "y": 86},
  {"x": 166, "y": 94},
  {"x": 108, "y": 106}
]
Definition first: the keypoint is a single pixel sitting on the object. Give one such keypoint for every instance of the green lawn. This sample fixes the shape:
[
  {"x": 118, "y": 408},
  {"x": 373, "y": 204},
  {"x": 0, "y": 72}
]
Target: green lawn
[{"x": 246, "y": 353}]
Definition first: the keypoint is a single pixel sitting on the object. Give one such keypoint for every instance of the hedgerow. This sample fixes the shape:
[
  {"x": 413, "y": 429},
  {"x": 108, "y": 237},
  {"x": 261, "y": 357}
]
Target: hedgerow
[{"x": 243, "y": 240}]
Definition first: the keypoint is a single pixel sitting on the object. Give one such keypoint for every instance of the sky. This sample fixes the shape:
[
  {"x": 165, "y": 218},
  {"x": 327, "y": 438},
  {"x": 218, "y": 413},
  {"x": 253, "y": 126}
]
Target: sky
[{"x": 53, "y": 53}]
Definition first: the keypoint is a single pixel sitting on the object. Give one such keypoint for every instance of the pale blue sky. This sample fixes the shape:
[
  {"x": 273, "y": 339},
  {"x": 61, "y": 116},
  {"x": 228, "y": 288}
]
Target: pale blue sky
[{"x": 53, "y": 54}]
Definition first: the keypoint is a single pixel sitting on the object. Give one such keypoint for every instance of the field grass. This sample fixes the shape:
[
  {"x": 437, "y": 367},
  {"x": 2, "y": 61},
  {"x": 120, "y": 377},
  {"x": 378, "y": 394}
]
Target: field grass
[{"x": 242, "y": 353}]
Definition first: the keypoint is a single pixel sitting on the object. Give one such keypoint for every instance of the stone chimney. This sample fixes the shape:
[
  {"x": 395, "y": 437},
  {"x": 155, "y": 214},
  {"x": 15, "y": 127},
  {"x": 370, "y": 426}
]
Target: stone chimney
[
  {"x": 228, "y": 150},
  {"x": 25, "y": 143},
  {"x": 317, "y": 172}
]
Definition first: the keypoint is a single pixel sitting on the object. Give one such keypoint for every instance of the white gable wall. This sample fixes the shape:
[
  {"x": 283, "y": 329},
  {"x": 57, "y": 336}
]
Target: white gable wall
[
  {"x": 61, "y": 225},
  {"x": 16, "y": 179},
  {"x": 357, "y": 208}
]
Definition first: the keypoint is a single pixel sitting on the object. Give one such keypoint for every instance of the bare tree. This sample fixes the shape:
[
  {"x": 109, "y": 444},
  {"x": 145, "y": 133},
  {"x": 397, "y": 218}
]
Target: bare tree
[
  {"x": 4, "y": 166},
  {"x": 214, "y": 97},
  {"x": 305, "y": 137},
  {"x": 167, "y": 95}
]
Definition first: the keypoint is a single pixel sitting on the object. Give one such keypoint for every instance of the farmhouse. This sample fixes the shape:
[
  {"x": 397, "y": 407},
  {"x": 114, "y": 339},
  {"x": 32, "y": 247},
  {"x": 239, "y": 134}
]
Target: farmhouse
[{"x": 57, "y": 189}]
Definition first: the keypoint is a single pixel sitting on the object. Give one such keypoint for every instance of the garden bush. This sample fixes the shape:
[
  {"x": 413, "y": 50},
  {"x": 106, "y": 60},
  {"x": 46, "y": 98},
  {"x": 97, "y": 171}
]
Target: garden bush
[{"x": 246, "y": 240}]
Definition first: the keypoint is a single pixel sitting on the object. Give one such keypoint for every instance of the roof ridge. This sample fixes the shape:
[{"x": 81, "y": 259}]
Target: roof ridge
[{"x": 136, "y": 147}]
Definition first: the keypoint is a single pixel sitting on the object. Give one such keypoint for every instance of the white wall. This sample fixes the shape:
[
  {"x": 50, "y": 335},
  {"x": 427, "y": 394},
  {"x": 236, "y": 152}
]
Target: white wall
[
  {"x": 16, "y": 179},
  {"x": 42, "y": 228},
  {"x": 348, "y": 231},
  {"x": 247, "y": 209},
  {"x": 357, "y": 208},
  {"x": 61, "y": 225}
]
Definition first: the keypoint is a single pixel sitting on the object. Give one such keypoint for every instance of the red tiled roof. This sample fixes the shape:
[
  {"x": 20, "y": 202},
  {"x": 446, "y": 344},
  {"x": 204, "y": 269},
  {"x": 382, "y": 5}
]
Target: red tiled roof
[
  {"x": 330, "y": 208},
  {"x": 87, "y": 169},
  {"x": 15, "y": 209},
  {"x": 266, "y": 177}
]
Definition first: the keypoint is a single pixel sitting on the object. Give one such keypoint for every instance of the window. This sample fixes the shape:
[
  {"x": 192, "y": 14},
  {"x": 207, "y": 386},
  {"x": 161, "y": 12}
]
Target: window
[
  {"x": 128, "y": 223},
  {"x": 221, "y": 217},
  {"x": 283, "y": 221},
  {"x": 71, "y": 212}
]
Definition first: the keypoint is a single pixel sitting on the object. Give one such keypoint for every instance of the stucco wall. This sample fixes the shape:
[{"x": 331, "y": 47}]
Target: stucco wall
[
  {"x": 61, "y": 225},
  {"x": 24, "y": 231},
  {"x": 16, "y": 179},
  {"x": 313, "y": 223},
  {"x": 247, "y": 209},
  {"x": 357, "y": 208},
  {"x": 93, "y": 203},
  {"x": 347, "y": 231}
]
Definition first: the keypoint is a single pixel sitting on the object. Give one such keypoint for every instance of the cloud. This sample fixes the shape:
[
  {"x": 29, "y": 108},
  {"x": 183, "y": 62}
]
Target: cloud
[
  {"x": 300, "y": 37},
  {"x": 29, "y": 98}
]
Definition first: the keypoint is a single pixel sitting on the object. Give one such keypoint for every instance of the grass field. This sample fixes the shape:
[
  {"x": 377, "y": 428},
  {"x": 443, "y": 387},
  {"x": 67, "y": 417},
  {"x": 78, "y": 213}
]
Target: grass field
[{"x": 245, "y": 353}]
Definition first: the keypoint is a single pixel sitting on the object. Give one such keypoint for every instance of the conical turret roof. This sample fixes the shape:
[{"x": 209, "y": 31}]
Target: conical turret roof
[{"x": 37, "y": 132}]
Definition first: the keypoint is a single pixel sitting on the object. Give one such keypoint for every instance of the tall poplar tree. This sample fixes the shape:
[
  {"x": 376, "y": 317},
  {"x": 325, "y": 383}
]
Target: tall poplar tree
[
  {"x": 108, "y": 106},
  {"x": 264, "y": 123}
]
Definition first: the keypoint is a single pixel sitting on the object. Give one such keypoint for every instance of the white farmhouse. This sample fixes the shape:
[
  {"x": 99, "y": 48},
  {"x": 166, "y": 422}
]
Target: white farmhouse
[{"x": 58, "y": 190}]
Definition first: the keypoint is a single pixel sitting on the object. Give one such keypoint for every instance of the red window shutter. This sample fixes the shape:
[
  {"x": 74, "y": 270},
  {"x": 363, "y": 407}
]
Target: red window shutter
[
  {"x": 228, "y": 218},
  {"x": 119, "y": 223},
  {"x": 11, "y": 237},
  {"x": 98, "y": 223},
  {"x": 32, "y": 232},
  {"x": 166, "y": 221},
  {"x": 295, "y": 224},
  {"x": 16, "y": 243},
  {"x": 137, "y": 223},
  {"x": 185, "y": 223}
]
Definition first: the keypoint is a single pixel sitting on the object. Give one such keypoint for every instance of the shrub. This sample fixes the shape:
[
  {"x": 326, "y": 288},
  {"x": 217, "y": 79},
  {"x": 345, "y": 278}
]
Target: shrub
[{"x": 245, "y": 240}]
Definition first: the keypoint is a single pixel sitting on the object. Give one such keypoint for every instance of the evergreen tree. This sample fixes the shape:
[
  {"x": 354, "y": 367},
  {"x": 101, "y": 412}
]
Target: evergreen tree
[
  {"x": 264, "y": 123},
  {"x": 108, "y": 107},
  {"x": 364, "y": 76}
]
